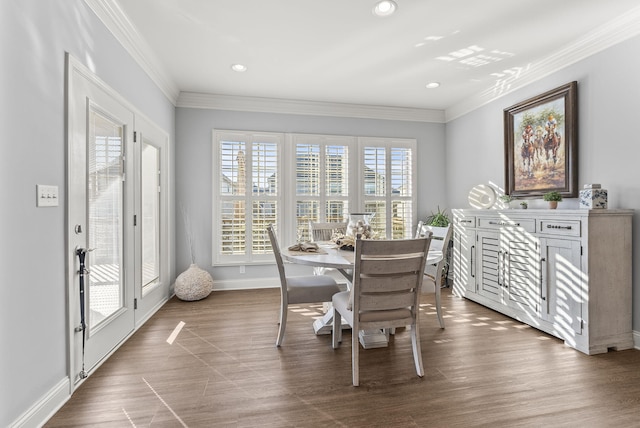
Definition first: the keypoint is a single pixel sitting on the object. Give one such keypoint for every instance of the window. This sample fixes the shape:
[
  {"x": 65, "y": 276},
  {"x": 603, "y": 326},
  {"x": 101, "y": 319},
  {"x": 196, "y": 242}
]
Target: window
[
  {"x": 387, "y": 180},
  {"x": 246, "y": 195},
  {"x": 324, "y": 178}
]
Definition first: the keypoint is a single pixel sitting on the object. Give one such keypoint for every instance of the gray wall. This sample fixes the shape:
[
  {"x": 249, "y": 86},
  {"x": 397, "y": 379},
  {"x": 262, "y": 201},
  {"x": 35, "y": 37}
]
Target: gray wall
[
  {"x": 34, "y": 37},
  {"x": 193, "y": 169},
  {"x": 609, "y": 110}
]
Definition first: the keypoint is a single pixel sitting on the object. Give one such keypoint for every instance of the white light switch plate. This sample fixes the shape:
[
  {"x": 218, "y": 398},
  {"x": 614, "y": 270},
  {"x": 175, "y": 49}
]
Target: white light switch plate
[{"x": 47, "y": 196}]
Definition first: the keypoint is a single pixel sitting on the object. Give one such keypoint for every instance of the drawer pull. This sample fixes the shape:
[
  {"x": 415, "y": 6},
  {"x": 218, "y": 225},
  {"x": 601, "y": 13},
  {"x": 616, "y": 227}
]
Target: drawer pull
[
  {"x": 504, "y": 223},
  {"x": 465, "y": 221},
  {"x": 557, "y": 226}
]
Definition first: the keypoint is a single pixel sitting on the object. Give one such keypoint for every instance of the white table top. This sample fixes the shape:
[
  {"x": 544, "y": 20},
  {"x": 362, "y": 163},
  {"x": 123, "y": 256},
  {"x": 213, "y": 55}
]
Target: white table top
[{"x": 336, "y": 258}]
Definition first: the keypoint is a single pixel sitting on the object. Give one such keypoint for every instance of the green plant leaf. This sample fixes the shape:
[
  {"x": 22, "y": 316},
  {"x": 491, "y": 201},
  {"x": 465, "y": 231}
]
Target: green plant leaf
[{"x": 438, "y": 219}]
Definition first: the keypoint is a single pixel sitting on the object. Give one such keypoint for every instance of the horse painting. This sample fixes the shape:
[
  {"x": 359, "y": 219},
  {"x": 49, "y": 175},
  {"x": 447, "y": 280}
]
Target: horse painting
[{"x": 540, "y": 143}]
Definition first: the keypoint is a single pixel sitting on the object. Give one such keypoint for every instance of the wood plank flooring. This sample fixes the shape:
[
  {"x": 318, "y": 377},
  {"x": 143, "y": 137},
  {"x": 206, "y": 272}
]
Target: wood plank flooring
[{"x": 223, "y": 370}]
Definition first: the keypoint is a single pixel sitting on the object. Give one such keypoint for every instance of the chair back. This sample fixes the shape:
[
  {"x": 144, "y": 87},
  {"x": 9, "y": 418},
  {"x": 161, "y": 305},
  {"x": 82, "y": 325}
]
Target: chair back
[
  {"x": 387, "y": 280},
  {"x": 324, "y": 231},
  {"x": 277, "y": 255},
  {"x": 441, "y": 236}
]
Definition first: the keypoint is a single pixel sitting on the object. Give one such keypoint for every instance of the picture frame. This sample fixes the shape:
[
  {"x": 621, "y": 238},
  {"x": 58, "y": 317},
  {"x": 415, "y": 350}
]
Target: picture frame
[{"x": 541, "y": 144}]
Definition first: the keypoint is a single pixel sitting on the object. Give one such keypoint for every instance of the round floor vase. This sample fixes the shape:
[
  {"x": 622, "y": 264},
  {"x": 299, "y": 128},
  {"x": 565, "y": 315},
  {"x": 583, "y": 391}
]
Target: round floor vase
[{"x": 193, "y": 284}]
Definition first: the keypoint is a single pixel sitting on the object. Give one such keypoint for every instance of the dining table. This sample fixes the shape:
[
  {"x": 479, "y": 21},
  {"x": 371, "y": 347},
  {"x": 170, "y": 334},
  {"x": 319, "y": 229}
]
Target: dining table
[{"x": 330, "y": 255}]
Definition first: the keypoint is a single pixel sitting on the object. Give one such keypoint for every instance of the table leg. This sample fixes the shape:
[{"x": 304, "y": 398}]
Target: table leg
[
  {"x": 324, "y": 325},
  {"x": 373, "y": 339}
]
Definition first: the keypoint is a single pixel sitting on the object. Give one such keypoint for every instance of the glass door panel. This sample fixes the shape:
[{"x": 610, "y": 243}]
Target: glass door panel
[
  {"x": 150, "y": 213},
  {"x": 105, "y": 192}
]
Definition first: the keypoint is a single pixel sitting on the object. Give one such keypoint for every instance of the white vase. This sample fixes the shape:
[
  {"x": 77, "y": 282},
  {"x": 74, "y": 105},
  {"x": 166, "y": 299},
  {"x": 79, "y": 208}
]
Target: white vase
[{"x": 193, "y": 284}]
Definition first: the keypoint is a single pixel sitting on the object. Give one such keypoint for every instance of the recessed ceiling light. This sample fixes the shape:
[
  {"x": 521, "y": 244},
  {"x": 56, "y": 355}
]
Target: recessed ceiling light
[
  {"x": 385, "y": 8},
  {"x": 432, "y": 85},
  {"x": 239, "y": 68}
]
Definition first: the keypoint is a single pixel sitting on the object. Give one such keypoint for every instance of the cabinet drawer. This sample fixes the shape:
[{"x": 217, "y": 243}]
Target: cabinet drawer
[
  {"x": 560, "y": 227},
  {"x": 466, "y": 221},
  {"x": 529, "y": 225}
]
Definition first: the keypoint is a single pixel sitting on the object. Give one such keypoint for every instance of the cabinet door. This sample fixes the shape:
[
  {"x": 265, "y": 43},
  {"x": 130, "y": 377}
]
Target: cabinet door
[
  {"x": 521, "y": 272},
  {"x": 489, "y": 270},
  {"x": 464, "y": 261},
  {"x": 563, "y": 291}
]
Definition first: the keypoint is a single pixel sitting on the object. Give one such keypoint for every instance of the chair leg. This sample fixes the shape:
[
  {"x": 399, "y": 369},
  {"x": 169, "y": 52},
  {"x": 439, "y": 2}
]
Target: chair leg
[
  {"x": 337, "y": 329},
  {"x": 417, "y": 351},
  {"x": 355, "y": 355},
  {"x": 283, "y": 323},
  {"x": 439, "y": 305}
]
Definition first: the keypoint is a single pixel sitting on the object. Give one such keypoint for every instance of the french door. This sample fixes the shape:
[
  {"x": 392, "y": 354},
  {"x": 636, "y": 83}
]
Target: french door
[{"x": 117, "y": 258}]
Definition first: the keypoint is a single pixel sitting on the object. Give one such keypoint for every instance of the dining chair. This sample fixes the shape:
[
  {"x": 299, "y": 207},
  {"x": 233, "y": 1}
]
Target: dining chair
[
  {"x": 384, "y": 294},
  {"x": 323, "y": 231},
  {"x": 320, "y": 231},
  {"x": 441, "y": 237},
  {"x": 298, "y": 289}
]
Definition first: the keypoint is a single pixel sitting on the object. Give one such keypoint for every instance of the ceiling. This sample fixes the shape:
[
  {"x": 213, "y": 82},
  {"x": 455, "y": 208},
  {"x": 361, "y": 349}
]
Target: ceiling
[{"x": 337, "y": 51}]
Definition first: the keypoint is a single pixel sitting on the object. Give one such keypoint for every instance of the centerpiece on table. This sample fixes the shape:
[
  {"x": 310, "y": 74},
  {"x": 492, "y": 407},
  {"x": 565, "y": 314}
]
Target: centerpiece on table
[{"x": 358, "y": 225}]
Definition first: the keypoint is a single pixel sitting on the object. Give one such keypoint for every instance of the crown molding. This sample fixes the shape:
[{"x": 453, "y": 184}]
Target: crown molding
[
  {"x": 603, "y": 37},
  {"x": 615, "y": 31},
  {"x": 312, "y": 108},
  {"x": 116, "y": 21}
]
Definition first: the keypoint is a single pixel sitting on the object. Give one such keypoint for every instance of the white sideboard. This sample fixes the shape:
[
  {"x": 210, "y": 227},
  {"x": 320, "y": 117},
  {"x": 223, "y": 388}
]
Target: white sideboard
[{"x": 565, "y": 272}]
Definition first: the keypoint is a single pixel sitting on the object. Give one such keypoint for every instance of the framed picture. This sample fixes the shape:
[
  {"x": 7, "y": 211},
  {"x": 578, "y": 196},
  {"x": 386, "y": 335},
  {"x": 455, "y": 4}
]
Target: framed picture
[{"x": 540, "y": 144}]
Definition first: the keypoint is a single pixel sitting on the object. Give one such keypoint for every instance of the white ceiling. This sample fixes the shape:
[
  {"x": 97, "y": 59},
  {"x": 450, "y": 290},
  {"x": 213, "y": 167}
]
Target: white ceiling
[{"x": 337, "y": 51}]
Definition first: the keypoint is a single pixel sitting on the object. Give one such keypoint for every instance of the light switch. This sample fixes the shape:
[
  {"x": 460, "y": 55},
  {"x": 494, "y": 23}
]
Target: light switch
[{"x": 47, "y": 196}]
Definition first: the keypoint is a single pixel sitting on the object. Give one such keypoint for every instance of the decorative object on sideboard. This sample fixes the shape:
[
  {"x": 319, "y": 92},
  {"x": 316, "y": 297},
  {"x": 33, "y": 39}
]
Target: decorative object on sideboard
[
  {"x": 506, "y": 199},
  {"x": 438, "y": 219},
  {"x": 540, "y": 144},
  {"x": 524, "y": 205},
  {"x": 482, "y": 196},
  {"x": 593, "y": 196},
  {"x": 553, "y": 198}
]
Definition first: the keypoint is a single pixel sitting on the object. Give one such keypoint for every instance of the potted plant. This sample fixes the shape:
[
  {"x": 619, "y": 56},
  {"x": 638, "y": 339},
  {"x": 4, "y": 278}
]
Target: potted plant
[
  {"x": 524, "y": 205},
  {"x": 553, "y": 198},
  {"x": 438, "y": 219},
  {"x": 507, "y": 200}
]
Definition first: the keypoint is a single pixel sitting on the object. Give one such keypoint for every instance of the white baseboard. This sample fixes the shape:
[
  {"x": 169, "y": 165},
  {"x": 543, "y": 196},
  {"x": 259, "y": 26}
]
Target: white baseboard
[
  {"x": 245, "y": 284},
  {"x": 43, "y": 409},
  {"x": 254, "y": 284},
  {"x": 636, "y": 339}
]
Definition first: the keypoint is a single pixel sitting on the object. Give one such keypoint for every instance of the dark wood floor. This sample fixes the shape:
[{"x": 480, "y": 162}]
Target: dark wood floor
[{"x": 223, "y": 370}]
